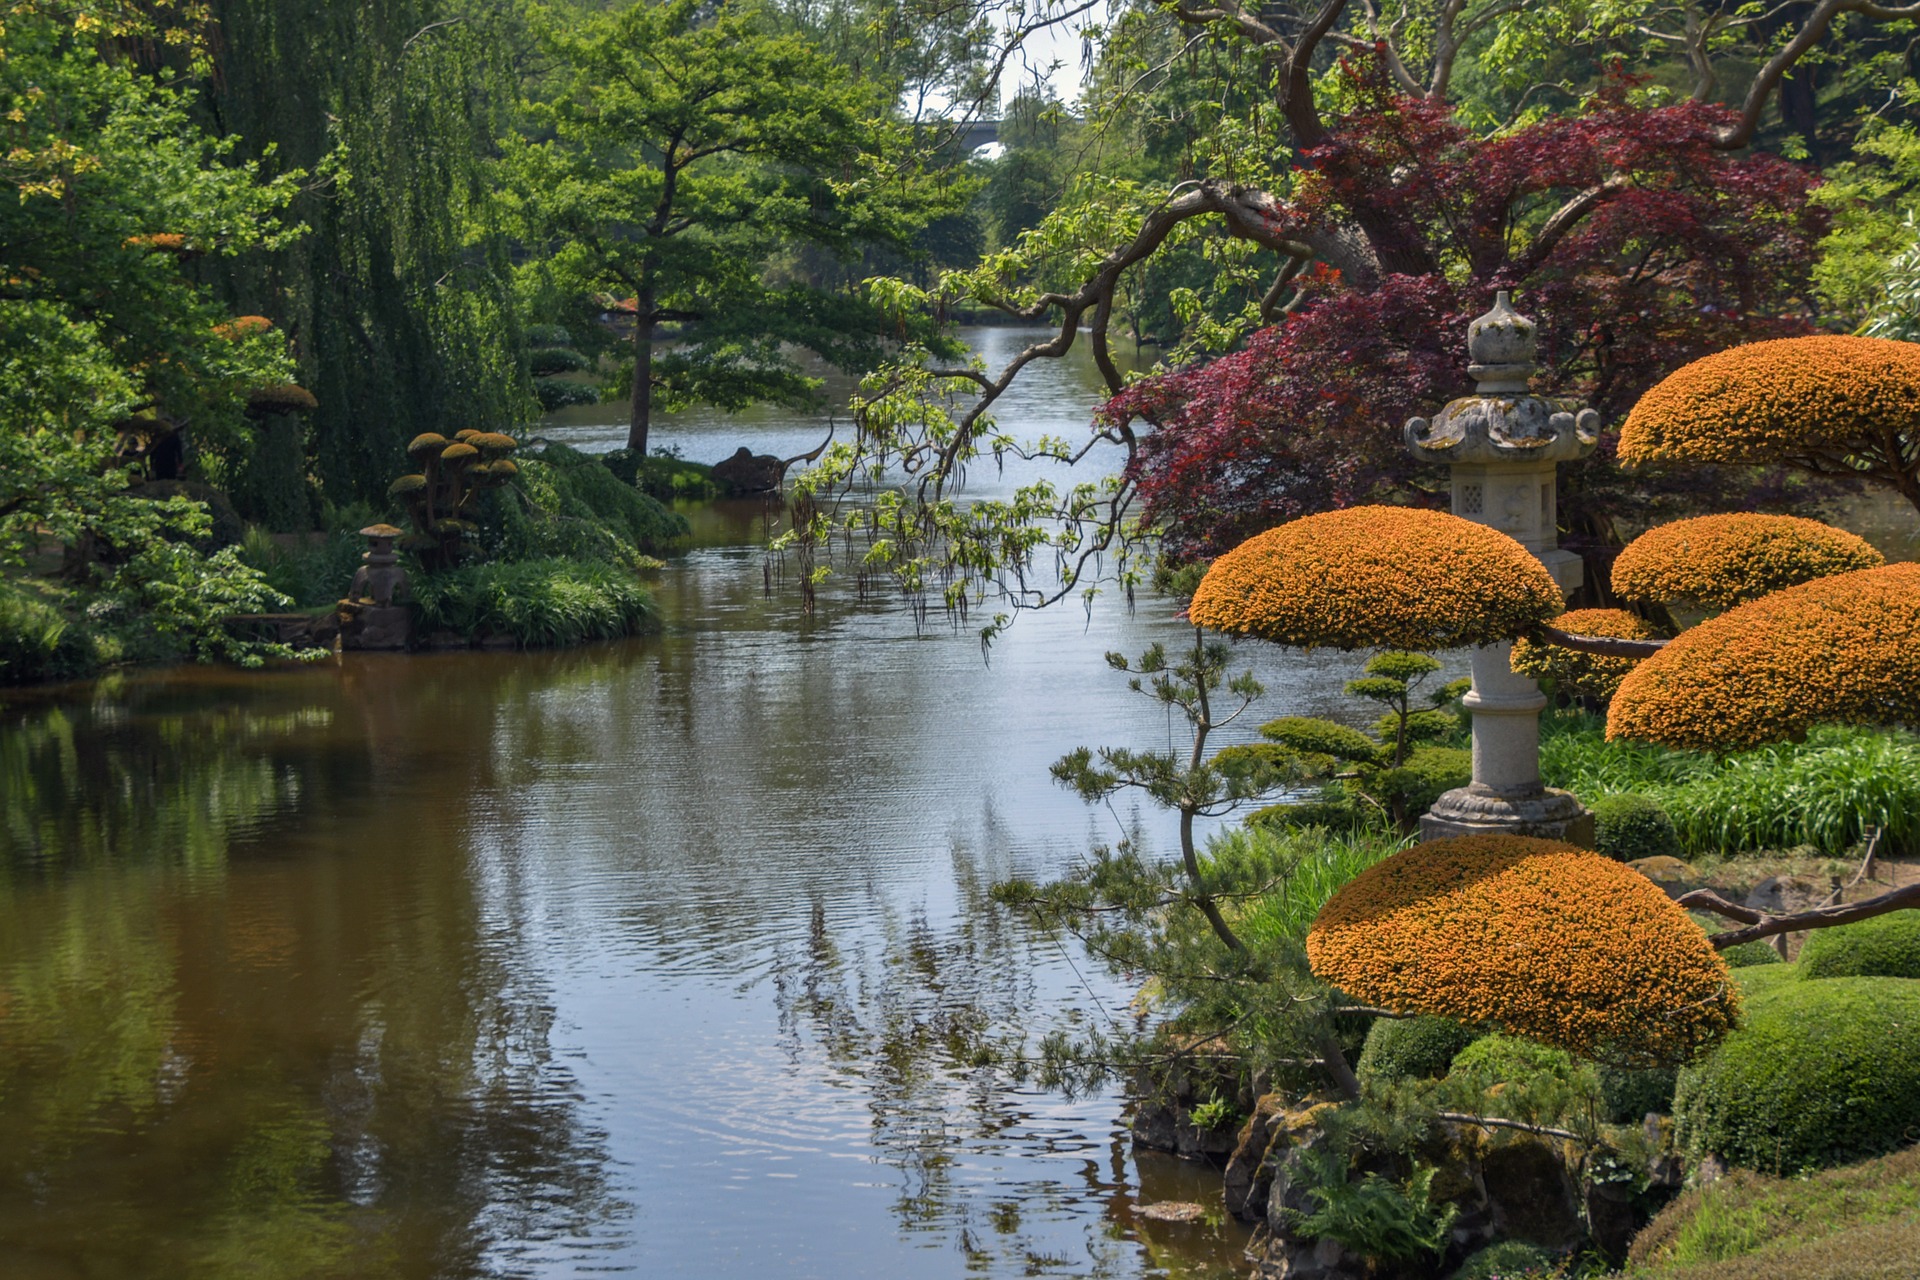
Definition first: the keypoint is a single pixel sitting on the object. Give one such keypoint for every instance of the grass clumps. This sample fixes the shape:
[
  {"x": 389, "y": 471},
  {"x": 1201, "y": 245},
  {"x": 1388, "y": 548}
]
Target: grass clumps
[
  {"x": 1820, "y": 1074},
  {"x": 1509, "y": 1260},
  {"x": 537, "y": 603},
  {"x": 1852, "y": 1223},
  {"x": 1822, "y": 792},
  {"x": 1883, "y": 947}
]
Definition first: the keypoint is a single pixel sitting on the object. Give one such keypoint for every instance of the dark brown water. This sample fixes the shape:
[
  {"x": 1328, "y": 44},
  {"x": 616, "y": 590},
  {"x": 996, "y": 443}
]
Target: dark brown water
[{"x": 657, "y": 958}]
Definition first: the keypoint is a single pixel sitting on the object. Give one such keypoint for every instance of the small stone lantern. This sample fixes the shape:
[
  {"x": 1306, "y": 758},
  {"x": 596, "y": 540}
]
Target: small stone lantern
[
  {"x": 375, "y": 614},
  {"x": 1503, "y": 444}
]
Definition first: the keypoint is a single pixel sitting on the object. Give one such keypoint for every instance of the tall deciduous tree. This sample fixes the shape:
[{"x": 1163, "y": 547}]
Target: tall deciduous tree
[{"x": 686, "y": 145}]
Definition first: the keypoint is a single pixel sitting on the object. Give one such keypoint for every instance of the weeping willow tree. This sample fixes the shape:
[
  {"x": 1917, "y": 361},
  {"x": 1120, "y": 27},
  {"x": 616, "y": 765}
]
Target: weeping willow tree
[{"x": 397, "y": 300}]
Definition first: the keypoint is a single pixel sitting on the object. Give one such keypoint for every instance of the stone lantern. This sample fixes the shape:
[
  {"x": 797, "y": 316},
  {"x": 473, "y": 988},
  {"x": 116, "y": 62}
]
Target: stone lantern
[
  {"x": 1502, "y": 444},
  {"x": 375, "y": 614}
]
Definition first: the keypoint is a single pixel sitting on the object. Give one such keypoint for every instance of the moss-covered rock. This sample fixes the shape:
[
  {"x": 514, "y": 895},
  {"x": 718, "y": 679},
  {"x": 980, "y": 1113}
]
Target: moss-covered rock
[
  {"x": 1884, "y": 947},
  {"x": 1820, "y": 1074}
]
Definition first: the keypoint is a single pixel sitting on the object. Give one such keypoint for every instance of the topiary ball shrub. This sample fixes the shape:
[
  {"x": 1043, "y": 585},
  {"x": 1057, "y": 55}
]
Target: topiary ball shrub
[
  {"x": 1884, "y": 947},
  {"x": 1629, "y": 1094},
  {"x": 1746, "y": 955},
  {"x": 1821, "y": 1074},
  {"x": 1509, "y": 1260},
  {"x": 1723, "y": 560},
  {"x": 557, "y": 393},
  {"x": 1497, "y": 1059},
  {"x": 1412, "y": 1048},
  {"x": 1538, "y": 937},
  {"x": 1377, "y": 578},
  {"x": 1628, "y": 826},
  {"x": 1844, "y": 649}
]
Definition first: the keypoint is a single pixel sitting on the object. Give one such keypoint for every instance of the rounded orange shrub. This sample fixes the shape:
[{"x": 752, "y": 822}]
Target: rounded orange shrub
[
  {"x": 1377, "y": 577},
  {"x": 1586, "y": 675},
  {"x": 1539, "y": 938},
  {"x": 1721, "y": 561},
  {"x": 1842, "y": 649},
  {"x": 1828, "y": 402}
]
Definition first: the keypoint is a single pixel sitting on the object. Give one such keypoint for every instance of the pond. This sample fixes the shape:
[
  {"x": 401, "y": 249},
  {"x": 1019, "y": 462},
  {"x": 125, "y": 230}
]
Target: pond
[{"x": 654, "y": 958}]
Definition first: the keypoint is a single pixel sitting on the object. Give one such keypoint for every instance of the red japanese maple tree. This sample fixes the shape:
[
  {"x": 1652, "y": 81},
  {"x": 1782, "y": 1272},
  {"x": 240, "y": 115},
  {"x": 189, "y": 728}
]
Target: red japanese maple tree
[{"x": 1639, "y": 243}]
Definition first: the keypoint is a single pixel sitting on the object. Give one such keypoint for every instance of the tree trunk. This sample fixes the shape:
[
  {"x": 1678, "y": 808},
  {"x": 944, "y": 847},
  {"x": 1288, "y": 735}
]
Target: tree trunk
[{"x": 642, "y": 415}]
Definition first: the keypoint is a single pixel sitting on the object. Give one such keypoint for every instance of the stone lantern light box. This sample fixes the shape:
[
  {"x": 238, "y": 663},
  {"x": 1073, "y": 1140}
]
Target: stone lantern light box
[{"x": 1503, "y": 445}]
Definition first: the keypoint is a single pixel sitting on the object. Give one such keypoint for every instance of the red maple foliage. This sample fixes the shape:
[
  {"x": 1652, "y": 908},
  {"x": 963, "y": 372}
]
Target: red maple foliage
[{"x": 1635, "y": 244}]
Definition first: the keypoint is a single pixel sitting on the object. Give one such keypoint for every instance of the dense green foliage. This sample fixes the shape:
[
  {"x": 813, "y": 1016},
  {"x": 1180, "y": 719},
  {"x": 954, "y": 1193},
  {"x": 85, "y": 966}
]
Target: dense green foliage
[
  {"x": 1629, "y": 1094},
  {"x": 1822, "y": 792},
  {"x": 1415, "y": 1048},
  {"x": 535, "y": 603},
  {"x": 1508, "y": 1260},
  {"x": 38, "y": 641},
  {"x": 1882, "y": 947},
  {"x": 1628, "y": 826},
  {"x": 564, "y": 503},
  {"x": 1820, "y": 1074}
]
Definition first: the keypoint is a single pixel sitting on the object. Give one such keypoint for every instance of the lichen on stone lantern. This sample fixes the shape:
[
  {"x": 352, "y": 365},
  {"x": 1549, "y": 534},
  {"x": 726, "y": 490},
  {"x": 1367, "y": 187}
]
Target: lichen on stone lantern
[{"x": 1503, "y": 444}]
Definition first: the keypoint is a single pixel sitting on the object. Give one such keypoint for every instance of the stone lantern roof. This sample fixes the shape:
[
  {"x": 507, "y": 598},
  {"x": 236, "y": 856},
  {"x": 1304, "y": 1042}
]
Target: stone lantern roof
[{"x": 1502, "y": 421}]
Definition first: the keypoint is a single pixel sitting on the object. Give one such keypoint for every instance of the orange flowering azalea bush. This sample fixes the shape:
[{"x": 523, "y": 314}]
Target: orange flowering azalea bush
[
  {"x": 1725, "y": 560},
  {"x": 1828, "y": 403},
  {"x": 1377, "y": 577},
  {"x": 1844, "y": 649},
  {"x": 1586, "y": 675},
  {"x": 1540, "y": 938}
]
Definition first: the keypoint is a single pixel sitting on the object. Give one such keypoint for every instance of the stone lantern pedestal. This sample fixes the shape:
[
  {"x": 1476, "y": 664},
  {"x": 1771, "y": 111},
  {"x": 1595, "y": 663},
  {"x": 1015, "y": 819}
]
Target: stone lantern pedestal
[{"x": 1504, "y": 444}]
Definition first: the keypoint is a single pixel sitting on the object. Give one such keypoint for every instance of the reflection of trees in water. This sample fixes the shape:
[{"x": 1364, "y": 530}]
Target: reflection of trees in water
[{"x": 252, "y": 1022}]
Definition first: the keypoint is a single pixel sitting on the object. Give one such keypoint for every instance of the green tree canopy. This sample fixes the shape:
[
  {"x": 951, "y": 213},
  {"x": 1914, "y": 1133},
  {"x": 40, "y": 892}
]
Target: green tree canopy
[{"x": 684, "y": 149}]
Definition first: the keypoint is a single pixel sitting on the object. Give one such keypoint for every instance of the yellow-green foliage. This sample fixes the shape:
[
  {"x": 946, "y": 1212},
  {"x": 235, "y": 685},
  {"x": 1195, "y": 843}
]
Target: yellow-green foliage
[
  {"x": 1584, "y": 675},
  {"x": 1844, "y": 649},
  {"x": 1724, "y": 560},
  {"x": 1377, "y": 577},
  {"x": 1539, "y": 938}
]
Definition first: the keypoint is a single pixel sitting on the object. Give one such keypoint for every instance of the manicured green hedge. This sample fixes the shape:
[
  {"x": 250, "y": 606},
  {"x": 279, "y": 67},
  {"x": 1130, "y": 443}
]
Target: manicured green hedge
[
  {"x": 1412, "y": 1048},
  {"x": 1884, "y": 947},
  {"x": 1820, "y": 1074},
  {"x": 1628, "y": 826}
]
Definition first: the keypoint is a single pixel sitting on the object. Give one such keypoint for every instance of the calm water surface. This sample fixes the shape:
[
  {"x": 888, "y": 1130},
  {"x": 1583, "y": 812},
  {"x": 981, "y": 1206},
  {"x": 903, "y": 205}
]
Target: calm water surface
[{"x": 649, "y": 958}]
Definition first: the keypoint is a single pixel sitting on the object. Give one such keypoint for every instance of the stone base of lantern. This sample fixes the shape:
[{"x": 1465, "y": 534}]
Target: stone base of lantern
[
  {"x": 1480, "y": 811},
  {"x": 374, "y": 626}
]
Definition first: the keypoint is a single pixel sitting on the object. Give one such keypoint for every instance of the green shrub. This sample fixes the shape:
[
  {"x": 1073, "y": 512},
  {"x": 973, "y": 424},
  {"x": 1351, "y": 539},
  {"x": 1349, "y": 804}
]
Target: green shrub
[
  {"x": 662, "y": 477},
  {"x": 1629, "y": 1093},
  {"x": 1376, "y": 1217},
  {"x": 558, "y": 393},
  {"x": 1754, "y": 979},
  {"x": 170, "y": 601},
  {"x": 1628, "y": 826},
  {"x": 1333, "y": 807},
  {"x": 1746, "y": 955},
  {"x": 1501, "y": 1059},
  {"x": 1508, "y": 1260},
  {"x": 1884, "y": 947},
  {"x": 310, "y": 574},
  {"x": 547, "y": 335},
  {"x": 564, "y": 503},
  {"x": 1427, "y": 774},
  {"x": 1311, "y": 736},
  {"x": 544, "y": 361},
  {"x": 540, "y": 603},
  {"x": 1820, "y": 1074},
  {"x": 37, "y": 640},
  {"x": 1412, "y": 1048}
]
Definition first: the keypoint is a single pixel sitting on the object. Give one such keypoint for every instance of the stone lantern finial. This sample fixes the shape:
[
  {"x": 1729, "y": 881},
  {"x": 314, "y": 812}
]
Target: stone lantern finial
[{"x": 1502, "y": 345}]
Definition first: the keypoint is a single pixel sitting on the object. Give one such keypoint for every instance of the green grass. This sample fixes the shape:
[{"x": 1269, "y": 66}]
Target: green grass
[
  {"x": 1861, "y": 1222},
  {"x": 1822, "y": 792},
  {"x": 539, "y": 603}
]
